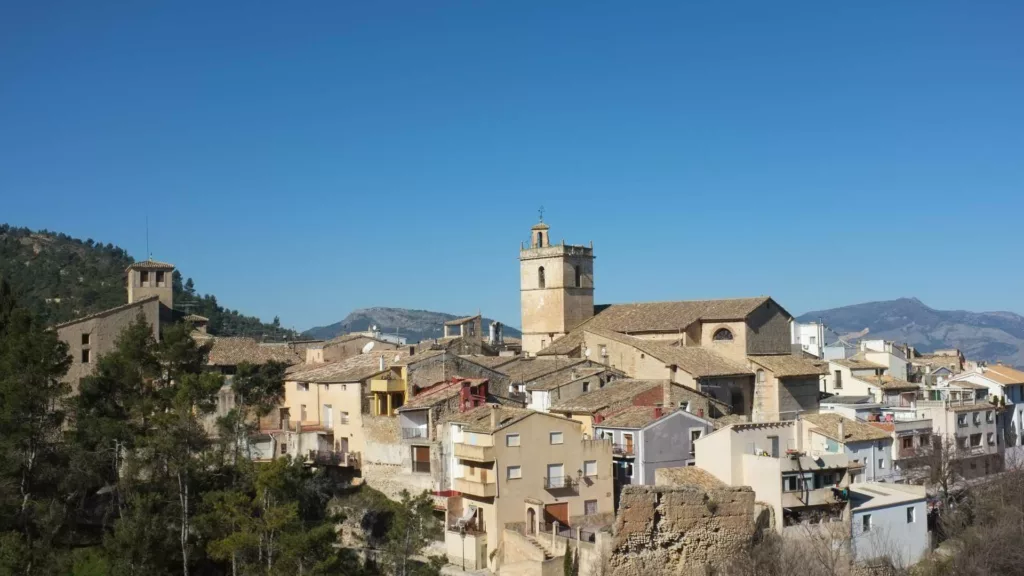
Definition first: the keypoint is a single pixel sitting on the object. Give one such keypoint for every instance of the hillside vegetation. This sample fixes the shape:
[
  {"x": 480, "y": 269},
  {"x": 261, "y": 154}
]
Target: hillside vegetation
[{"x": 60, "y": 278}]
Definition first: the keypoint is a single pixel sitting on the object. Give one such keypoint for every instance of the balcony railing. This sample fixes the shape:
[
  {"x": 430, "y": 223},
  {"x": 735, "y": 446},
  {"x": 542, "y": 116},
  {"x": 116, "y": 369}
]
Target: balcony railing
[
  {"x": 475, "y": 486},
  {"x": 420, "y": 466},
  {"x": 414, "y": 433},
  {"x": 563, "y": 530},
  {"x": 623, "y": 449},
  {"x": 475, "y": 453},
  {"x": 560, "y": 483},
  {"x": 333, "y": 458}
]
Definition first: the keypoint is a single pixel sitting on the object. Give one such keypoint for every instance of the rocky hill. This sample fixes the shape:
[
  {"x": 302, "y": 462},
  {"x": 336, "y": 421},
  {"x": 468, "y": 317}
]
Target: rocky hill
[
  {"x": 415, "y": 325},
  {"x": 62, "y": 278},
  {"x": 990, "y": 336}
]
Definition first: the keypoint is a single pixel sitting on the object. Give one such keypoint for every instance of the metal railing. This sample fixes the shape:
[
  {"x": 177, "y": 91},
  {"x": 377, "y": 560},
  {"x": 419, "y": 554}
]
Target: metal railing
[
  {"x": 418, "y": 466},
  {"x": 474, "y": 527},
  {"x": 559, "y": 483},
  {"x": 623, "y": 449},
  {"x": 563, "y": 530},
  {"x": 413, "y": 433},
  {"x": 333, "y": 458}
]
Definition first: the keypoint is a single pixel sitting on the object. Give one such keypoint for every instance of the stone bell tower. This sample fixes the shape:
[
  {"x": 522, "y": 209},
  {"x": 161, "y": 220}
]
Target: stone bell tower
[
  {"x": 151, "y": 278},
  {"x": 556, "y": 285}
]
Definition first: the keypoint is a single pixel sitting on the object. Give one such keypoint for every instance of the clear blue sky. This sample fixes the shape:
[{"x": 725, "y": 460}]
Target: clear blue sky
[{"x": 305, "y": 159}]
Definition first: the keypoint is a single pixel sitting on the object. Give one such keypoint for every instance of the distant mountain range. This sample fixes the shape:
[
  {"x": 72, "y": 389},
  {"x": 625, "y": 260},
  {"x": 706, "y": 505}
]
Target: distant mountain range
[
  {"x": 989, "y": 336},
  {"x": 415, "y": 325}
]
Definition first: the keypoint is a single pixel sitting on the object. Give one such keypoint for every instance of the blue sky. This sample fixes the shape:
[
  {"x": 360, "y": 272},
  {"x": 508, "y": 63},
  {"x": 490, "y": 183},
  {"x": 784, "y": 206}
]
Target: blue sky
[{"x": 305, "y": 159}]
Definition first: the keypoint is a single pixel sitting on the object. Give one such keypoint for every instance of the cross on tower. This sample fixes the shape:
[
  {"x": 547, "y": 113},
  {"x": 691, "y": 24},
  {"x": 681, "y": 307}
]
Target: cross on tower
[{"x": 541, "y": 212}]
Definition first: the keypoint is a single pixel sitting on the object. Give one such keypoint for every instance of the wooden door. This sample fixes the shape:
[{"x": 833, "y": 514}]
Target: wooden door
[{"x": 559, "y": 512}]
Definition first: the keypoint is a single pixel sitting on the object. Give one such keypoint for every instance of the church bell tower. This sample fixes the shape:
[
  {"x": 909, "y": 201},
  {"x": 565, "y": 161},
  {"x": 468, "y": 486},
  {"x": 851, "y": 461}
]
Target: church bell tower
[{"x": 556, "y": 286}]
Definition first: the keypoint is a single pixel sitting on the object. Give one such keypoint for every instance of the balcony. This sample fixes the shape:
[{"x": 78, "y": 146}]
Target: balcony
[
  {"x": 628, "y": 450},
  {"x": 561, "y": 483},
  {"x": 333, "y": 458},
  {"x": 914, "y": 425},
  {"x": 475, "y": 486},
  {"x": 391, "y": 385},
  {"x": 417, "y": 433},
  {"x": 474, "y": 453}
]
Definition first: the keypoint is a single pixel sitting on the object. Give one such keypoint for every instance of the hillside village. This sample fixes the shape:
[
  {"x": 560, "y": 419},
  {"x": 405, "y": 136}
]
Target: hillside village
[{"x": 652, "y": 437}]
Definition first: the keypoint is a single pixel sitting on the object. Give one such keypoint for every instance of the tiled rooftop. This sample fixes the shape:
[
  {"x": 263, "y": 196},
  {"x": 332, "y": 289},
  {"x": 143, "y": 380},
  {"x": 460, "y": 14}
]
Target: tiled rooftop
[{"x": 853, "y": 430}]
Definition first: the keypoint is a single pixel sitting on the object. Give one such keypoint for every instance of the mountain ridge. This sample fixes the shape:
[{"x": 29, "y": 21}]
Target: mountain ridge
[
  {"x": 416, "y": 325},
  {"x": 996, "y": 336}
]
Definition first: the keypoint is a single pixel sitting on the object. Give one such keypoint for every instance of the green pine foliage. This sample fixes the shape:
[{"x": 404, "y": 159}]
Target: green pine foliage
[{"x": 60, "y": 278}]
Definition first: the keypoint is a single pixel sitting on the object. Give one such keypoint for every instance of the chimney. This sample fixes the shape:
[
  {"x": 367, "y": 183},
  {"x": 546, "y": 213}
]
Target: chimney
[
  {"x": 412, "y": 350},
  {"x": 658, "y": 412},
  {"x": 598, "y": 418},
  {"x": 842, "y": 435},
  {"x": 381, "y": 363},
  {"x": 494, "y": 416},
  {"x": 666, "y": 393}
]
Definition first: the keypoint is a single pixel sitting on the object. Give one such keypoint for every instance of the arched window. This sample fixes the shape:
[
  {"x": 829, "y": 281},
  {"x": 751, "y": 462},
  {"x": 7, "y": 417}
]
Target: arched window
[
  {"x": 579, "y": 278},
  {"x": 540, "y": 277},
  {"x": 722, "y": 334}
]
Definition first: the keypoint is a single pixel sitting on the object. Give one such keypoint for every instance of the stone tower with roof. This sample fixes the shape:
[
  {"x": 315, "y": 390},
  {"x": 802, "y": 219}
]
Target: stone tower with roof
[
  {"x": 556, "y": 288},
  {"x": 150, "y": 278}
]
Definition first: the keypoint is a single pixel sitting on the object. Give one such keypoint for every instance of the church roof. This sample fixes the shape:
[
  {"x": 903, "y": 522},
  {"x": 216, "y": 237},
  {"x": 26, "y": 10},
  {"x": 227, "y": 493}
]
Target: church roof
[{"x": 672, "y": 316}]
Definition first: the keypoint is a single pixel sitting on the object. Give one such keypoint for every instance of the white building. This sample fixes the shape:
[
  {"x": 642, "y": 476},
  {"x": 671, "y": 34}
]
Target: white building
[
  {"x": 868, "y": 448},
  {"x": 889, "y": 520},
  {"x": 810, "y": 337},
  {"x": 1005, "y": 383}
]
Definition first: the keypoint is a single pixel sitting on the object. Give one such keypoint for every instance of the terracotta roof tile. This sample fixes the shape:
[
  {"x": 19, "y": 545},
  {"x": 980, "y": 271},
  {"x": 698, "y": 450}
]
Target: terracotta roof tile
[
  {"x": 618, "y": 393},
  {"x": 529, "y": 369},
  {"x": 853, "y": 431},
  {"x": 672, "y": 316},
  {"x": 855, "y": 363},
  {"x": 439, "y": 393},
  {"x": 150, "y": 265},
  {"x": 1004, "y": 374},
  {"x": 562, "y": 377},
  {"x": 489, "y": 361},
  {"x": 886, "y": 382},
  {"x": 632, "y": 417},
  {"x": 458, "y": 321},
  {"x": 354, "y": 369},
  {"x": 789, "y": 365},
  {"x": 694, "y": 360},
  {"x": 479, "y": 419},
  {"x": 235, "y": 350}
]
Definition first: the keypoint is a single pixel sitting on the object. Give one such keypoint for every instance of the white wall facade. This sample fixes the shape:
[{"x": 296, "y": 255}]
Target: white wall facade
[
  {"x": 810, "y": 337},
  {"x": 890, "y": 533}
]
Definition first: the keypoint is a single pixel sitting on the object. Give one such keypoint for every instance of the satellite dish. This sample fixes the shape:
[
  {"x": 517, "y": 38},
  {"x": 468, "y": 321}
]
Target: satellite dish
[
  {"x": 587, "y": 352},
  {"x": 367, "y": 347},
  {"x": 398, "y": 357}
]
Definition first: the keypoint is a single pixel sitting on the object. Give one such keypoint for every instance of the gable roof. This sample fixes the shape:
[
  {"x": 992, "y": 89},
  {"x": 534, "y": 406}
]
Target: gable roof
[
  {"x": 694, "y": 360},
  {"x": 672, "y": 316},
  {"x": 492, "y": 362},
  {"x": 616, "y": 393},
  {"x": 529, "y": 369},
  {"x": 479, "y": 419},
  {"x": 859, "y": 362},
  {"x": 354, "y": 369},
  {"x": 886, "y": 382},
  {"x": 1004, "y": 374},
  {"x": 790, "y": 365},
  {"x": 458, "y": 321},
  {"x": 853, "y": 431},
  {"x": 440, "y": 393},
  {"x": 235, "y": 350},
  {"x": 560, "y": 378},
  {"x": 637, "y": 417},
  {"x": 108, "y": 311}
]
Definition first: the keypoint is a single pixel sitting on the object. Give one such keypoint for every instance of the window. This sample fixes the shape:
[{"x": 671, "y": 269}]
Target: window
[
  {"x": 977, "y": 418},
  {"x": 881, "y": 463},
  {"x": 923, "y": 440},
  {"x": 586, "y": 386},
  {"x": 85, "y": 339},
  {"x": 144, "y": 277},
  {"x": 694, "y": 436},
  {"x": 722, "y": 335},
  {"x": 989, "y": 416},
  {"x": 975, "y": 440},
  {"x": 344, "y": 417},
  {"x": 159, "y": 278},
  {"x": 814, "y": 340},
  {"x": 628, "y": 469},
  {"x": 866, "y": 522},
  {"x": 991, "y": 439},
  {"x": 961, "y": 420},
  {"x": 911, "y": 515},
  {"x": 540, "y": 277},
  {"x": 908, "y": 442},
  {"x": 556, "y": 476},
  {"x": 512, "y": 440},
  {"x": 513, "y": 472},
  {"x": 85, "y": 356},
  {"x": 760, "y": 376},
  {"x": 790, "y": 483},
  {"x": 590, "y": 507},
  {"x": 284, "y": 448},
  {"x": 578, "y": 280},
  {"x": 302, "y": 413},
  {"x": 555, "y": 437},
  {"x": 839, "y": 379},
  {"x": 590, "y": 468},
  {"x": 302, "y": 386}
]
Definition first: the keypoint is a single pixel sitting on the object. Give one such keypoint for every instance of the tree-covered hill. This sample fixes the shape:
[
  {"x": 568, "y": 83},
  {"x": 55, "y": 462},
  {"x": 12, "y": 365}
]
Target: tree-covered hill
[{"x": 61, "y": 278}]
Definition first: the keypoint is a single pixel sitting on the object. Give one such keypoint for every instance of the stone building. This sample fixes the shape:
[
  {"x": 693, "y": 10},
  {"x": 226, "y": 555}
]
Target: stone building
[
  {"x": 556, "y": 288},
  {"x": 149, "y": 295}
]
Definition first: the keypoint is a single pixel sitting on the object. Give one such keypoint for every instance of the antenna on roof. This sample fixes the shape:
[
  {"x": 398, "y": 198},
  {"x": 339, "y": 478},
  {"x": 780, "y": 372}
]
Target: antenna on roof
[
  {"x": 149, "y": 255},
  {"x": 367, "y": 347}
]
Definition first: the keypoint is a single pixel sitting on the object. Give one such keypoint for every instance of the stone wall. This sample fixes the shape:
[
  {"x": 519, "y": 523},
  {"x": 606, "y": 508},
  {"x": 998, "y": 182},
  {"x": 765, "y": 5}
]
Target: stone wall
[
  {"x": 443, "y": 367},
  {"x": 680, "y": 530}
]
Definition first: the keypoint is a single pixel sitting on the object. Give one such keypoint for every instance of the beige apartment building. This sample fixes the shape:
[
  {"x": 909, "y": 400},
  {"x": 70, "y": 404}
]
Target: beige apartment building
[
  {"x": 524, "y": 472},
  {"x": 799, "y": 483}
]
